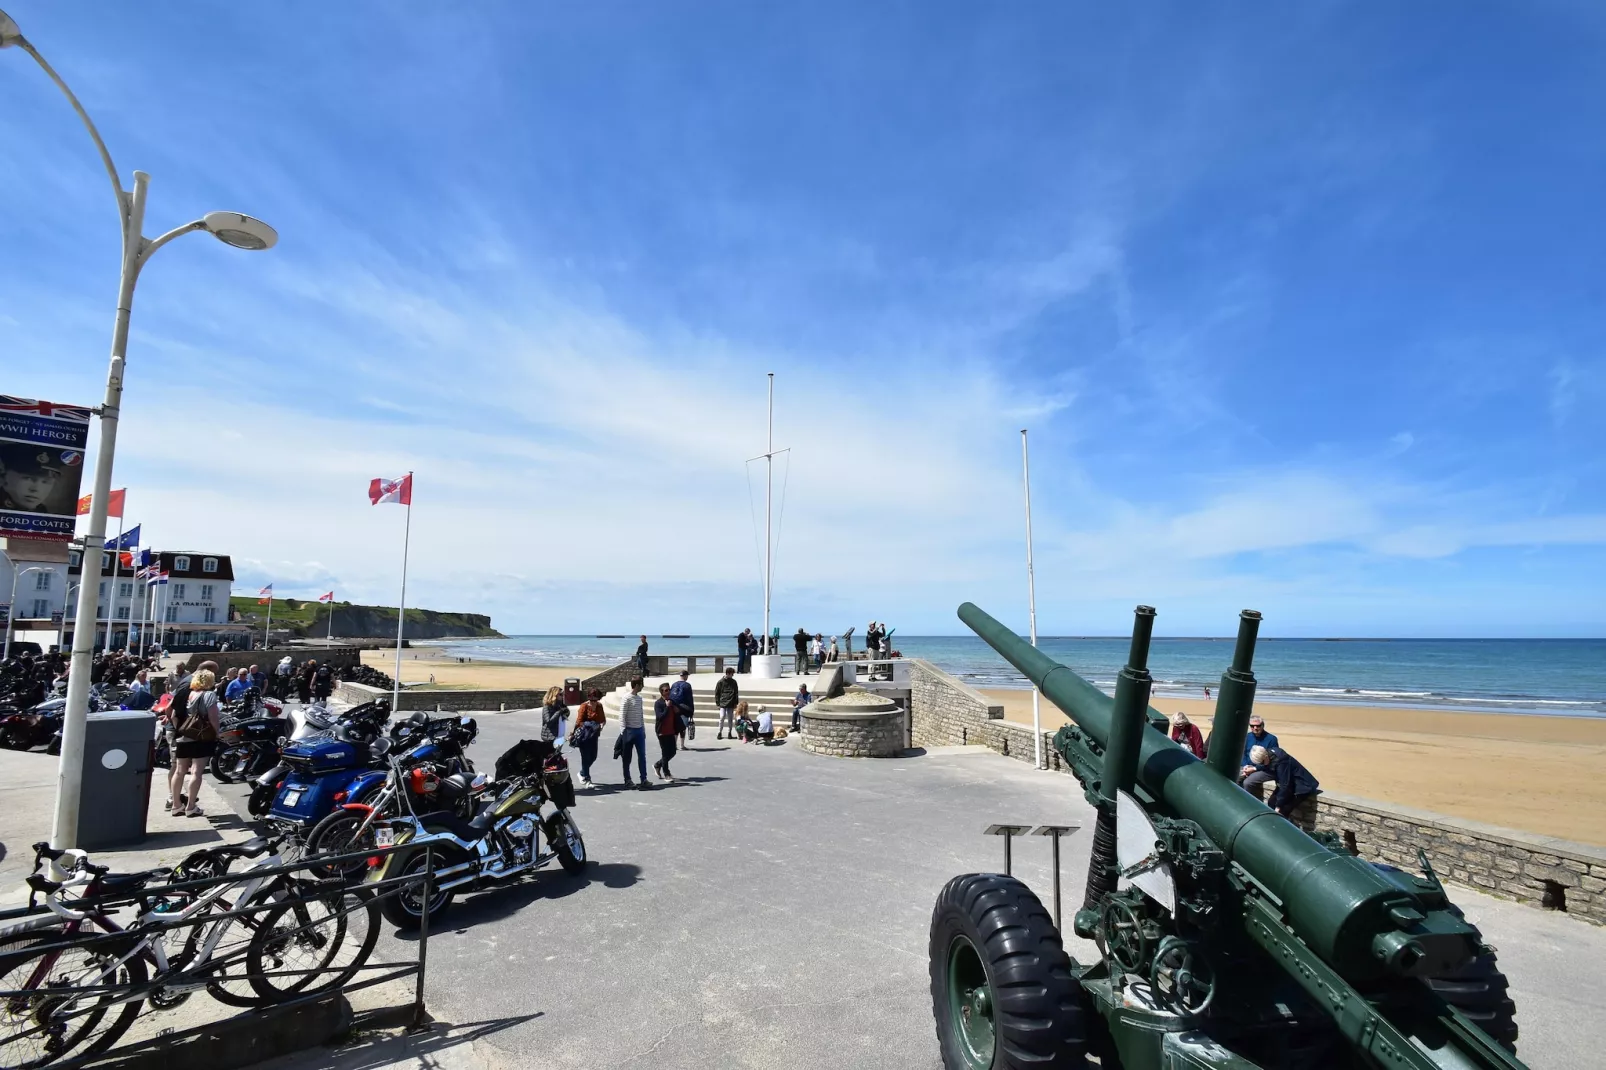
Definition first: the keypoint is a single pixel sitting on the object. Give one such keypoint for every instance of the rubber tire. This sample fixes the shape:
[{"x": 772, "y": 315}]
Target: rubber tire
[
  {"x": 355, "y": 904},
  {"x": 397, "y": 914},
  {"x": 13, "y": 954},
  {"x": 571, "y": 863},
  {"x": 325, "y": 829},
  {"x": 1479, "y": 991},
  {"x": 1040, "y": 1016},
  {"x": 216, "y": 765}
]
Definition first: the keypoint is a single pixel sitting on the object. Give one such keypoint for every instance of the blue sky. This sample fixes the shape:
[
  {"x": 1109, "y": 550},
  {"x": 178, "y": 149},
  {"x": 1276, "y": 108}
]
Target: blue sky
[{"x": 1302, "y": 307}]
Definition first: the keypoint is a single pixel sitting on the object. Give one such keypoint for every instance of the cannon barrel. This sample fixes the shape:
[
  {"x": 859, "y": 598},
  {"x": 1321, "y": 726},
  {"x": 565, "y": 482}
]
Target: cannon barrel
[{"x": 1345, "y": 911}]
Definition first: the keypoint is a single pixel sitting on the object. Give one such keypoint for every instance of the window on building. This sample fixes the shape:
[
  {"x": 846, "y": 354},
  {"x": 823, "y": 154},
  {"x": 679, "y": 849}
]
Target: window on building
[
  {"x": 172, "y": 614},
  {"x": 206, "y": 592},
  {"x": 211, "y": 615},
  {"x": 41, "y": 608},
  {"x": 41, "y": 581},
  {"x": 122, "y": 612},
  {"x": 125, "y": 590},
  {"x": 181, "y": 563},
  {"x": 75, "y": 558},
  {"x": 178, "y": 590},
  {"x": 105, "y": 562},
  {"x": 103, "y": 590},
  {"x": 208, "y": 564}
]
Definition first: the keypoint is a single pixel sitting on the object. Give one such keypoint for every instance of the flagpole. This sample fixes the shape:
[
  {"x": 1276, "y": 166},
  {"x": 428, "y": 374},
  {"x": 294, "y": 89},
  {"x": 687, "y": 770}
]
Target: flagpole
[
  {"x": 1031, "y": 595},
  {"x": 117, "y": 563},
  {"x": 330, "y": 637},
  {"x": 401, "y": 609},
  {"x": 267, "y": 631},
  {"x": 134, "y": 571}
]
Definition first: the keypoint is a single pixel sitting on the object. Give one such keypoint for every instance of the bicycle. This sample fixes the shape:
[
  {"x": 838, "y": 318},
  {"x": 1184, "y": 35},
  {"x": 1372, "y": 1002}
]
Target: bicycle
[{"x": 67, "y": 989}]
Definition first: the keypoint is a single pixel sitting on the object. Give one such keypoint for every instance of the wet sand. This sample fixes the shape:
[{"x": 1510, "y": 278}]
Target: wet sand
[
  {"x": 419, "y": 665},
  {"x": 1539, "y": 774}
]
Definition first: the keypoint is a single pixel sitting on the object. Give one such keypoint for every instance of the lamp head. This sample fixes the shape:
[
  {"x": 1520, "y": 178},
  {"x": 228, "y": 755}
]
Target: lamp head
[
  {"x": 9, "y": 34},
  {"x": 240, "y": 231}
]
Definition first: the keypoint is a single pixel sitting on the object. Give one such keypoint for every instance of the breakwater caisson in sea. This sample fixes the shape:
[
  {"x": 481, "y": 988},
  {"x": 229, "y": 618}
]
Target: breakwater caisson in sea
[{"x": 1548, "y": 676}]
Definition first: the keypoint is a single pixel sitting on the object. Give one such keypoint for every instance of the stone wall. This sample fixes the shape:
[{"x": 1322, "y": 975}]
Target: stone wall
[
  {"x": 1543, "y": 871},
  {"x": 873, "y": 735},
  {"x": 267, "y": 659},
  {"x": 1529, "y": 868},
  {"x": 611, "y": 679},
  {"x": 469, "y": 701}
]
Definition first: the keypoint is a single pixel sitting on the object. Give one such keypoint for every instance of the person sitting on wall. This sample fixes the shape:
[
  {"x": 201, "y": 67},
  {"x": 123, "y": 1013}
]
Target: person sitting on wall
[
  {"x": 1295, "y": 783},
  {"x": 1186, "y": 733}
]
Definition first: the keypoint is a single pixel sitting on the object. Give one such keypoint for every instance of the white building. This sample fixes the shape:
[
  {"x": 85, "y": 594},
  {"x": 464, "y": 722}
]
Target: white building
[{"x": 190, "y": 610}]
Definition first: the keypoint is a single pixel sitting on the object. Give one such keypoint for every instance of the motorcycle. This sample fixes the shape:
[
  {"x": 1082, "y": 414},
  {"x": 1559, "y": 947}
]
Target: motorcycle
[
  {"x": 249, "y": 746},
  {"x": 316, "y": 773},
  {"x": 497, "y": 846},
  {"x": 41, "y": 724},
  {"x": 411, "y": 787}
]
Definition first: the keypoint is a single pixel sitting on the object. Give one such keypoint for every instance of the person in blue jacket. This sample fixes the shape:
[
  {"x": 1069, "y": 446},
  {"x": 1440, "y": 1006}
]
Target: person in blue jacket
[
  {"x": 1295, "y": 783},
  {"x": 1250, "y": 775}
]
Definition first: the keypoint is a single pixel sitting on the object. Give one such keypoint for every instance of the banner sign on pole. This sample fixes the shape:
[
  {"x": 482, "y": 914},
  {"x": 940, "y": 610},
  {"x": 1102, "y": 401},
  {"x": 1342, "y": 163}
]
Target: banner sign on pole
[{"x": 41, "y": 464}]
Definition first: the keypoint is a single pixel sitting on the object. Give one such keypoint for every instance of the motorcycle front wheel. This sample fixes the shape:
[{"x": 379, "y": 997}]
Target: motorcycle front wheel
[
  {"x": 338, "y": 834},
  {"x": 569, "y": 845},
  {"x": 404, "y": 907},
  {"x": 227, "y": 763}
]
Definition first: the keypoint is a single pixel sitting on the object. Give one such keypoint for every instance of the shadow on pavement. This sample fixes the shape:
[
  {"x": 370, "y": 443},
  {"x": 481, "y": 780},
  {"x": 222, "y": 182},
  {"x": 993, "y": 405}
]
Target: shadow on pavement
[
  {"x": 434, "y": 1047},
  {"x": 494, "y": 904}
]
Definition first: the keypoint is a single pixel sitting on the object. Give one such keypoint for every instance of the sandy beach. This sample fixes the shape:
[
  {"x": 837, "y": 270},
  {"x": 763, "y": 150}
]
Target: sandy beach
[{"x": 1539, "y": 774}]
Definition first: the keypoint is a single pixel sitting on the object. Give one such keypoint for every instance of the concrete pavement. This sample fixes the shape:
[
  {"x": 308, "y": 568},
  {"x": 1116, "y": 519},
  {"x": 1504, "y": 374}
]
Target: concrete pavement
[{"x": 771, "y": 911}]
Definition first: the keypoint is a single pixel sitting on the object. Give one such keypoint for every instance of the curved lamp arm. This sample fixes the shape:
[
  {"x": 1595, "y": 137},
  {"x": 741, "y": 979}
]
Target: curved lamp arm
[
  {"x": 148, "y": 248},
  {"x": 9, "y": 35}
]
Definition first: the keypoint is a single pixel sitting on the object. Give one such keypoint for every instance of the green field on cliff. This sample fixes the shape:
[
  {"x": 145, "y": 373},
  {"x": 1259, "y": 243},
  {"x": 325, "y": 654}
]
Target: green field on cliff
[{"x": 311, "y": 619}]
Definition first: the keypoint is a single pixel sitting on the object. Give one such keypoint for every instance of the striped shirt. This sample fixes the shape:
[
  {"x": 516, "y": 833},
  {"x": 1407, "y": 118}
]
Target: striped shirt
[{"x": 630, "y": 712}]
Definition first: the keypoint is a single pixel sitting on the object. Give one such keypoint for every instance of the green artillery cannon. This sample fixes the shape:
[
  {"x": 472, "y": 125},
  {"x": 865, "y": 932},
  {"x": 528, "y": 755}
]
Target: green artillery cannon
[{"x": 1228, "y": 937}]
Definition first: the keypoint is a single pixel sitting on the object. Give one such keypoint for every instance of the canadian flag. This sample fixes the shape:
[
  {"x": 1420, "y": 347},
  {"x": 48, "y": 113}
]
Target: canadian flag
[
  {"x": 330, "y": 597},
  {"x": 397, "y": 491}
]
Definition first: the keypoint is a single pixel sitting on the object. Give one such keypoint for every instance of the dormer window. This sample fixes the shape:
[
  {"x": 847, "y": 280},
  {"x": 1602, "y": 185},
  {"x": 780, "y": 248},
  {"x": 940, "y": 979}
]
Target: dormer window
[
  {"x": 181, "y": 563},
  {"x": 208, "y": 564},
  {"x": 75, "y": 557},
  {"x": 105, "y": 562}
]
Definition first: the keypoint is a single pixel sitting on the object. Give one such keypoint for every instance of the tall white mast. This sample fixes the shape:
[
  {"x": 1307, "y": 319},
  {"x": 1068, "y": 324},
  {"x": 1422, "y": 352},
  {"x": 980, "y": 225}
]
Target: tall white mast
[
  {"x": 1031, "y": 595},
  {"x": 769, "y": 492}
]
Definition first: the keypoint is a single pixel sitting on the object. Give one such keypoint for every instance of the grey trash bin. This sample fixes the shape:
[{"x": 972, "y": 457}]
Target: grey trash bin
[{"x": 116, "y": 791}]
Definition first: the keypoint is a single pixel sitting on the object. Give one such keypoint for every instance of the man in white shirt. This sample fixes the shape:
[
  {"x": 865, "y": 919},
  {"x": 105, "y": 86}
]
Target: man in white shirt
[
  {"x": 632, "y": 733},
  {"x": 766, "y": 723}
]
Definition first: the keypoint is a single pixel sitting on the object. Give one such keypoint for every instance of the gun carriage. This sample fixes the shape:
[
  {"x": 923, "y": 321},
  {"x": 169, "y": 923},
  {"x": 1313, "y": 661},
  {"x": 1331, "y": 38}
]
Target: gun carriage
[{"x": 1227, "y": 936}]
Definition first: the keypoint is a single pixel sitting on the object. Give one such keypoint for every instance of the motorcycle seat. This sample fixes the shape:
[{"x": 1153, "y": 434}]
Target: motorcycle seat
[{"x": 445, "y": 820}]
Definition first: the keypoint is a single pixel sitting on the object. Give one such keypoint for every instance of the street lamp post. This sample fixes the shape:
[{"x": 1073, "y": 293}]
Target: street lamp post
[
  {"x": 11, "y": 606},
  {"x": 61, "y": 632},
  {"x": 240, "y": 231}
]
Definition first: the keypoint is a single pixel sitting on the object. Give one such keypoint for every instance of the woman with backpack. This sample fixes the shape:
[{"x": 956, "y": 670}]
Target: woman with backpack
[
  {"x": 196, "y": 742},
  {"x": 587, "y": 729}
]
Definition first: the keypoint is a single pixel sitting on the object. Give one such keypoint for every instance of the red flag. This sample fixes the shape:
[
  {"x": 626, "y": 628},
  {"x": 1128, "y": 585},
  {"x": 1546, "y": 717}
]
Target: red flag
[
  {"x": 396, "y": 491},
  {"x": 126, "y": 558},
  {"x": 114, "y": 503},
  {"x": 330, "y": 597}
]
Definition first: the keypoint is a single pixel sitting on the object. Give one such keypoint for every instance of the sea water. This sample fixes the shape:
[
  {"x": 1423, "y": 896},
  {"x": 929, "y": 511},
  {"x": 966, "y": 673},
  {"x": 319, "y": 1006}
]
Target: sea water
[{"x": 1552, "y": 676}]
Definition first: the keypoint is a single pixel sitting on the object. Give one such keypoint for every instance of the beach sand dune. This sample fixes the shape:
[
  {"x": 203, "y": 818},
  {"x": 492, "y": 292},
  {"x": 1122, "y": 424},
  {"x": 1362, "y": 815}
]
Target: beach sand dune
[{"x": 1539, "y": 774}]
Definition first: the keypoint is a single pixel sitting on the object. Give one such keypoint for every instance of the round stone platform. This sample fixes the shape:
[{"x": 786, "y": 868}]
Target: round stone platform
[{"x": 856, "y": 724}]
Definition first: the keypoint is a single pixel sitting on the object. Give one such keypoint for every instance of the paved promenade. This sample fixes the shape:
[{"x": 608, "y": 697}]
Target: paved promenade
[{"x": 772, "y": 911}]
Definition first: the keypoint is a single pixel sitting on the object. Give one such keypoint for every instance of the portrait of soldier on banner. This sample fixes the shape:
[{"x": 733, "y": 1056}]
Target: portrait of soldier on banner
[{"x": 36, "y": 478}]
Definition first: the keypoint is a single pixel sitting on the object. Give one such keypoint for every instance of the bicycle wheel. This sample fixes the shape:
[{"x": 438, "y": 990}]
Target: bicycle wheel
[
  {"x": 337, "y": 835},
  {"x": 311, "y": 945},
  {"x": 46, "y": 1019}
]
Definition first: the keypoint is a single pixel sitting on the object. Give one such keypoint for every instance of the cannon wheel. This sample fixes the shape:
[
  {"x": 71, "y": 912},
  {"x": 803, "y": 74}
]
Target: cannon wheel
[
  {"x": 1001, "y": 986},
  {"x": 1479, "y": 991}
]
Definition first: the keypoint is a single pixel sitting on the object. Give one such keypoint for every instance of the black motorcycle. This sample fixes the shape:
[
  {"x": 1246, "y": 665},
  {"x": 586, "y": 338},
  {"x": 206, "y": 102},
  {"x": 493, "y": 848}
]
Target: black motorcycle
[{"x": 247, "y": 747}]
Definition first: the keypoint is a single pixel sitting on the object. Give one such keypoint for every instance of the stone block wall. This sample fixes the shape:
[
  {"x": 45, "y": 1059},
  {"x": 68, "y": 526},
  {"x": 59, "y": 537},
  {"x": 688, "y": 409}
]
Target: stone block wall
[
  {"x": 1539, "y": 870},
  {"x": 470, "y": 701},
  {"x": 621, "y": 674},
  {"x": 267, "y": 659},
  {"x": 870, "y": 736}
]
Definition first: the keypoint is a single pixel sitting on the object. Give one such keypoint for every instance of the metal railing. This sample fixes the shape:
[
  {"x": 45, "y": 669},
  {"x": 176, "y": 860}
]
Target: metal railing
[{"x": 226, "y": 971}]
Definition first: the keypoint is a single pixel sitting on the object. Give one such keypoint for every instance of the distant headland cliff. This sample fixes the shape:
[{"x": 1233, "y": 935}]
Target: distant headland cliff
[{"x": 305, "y": 619}]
